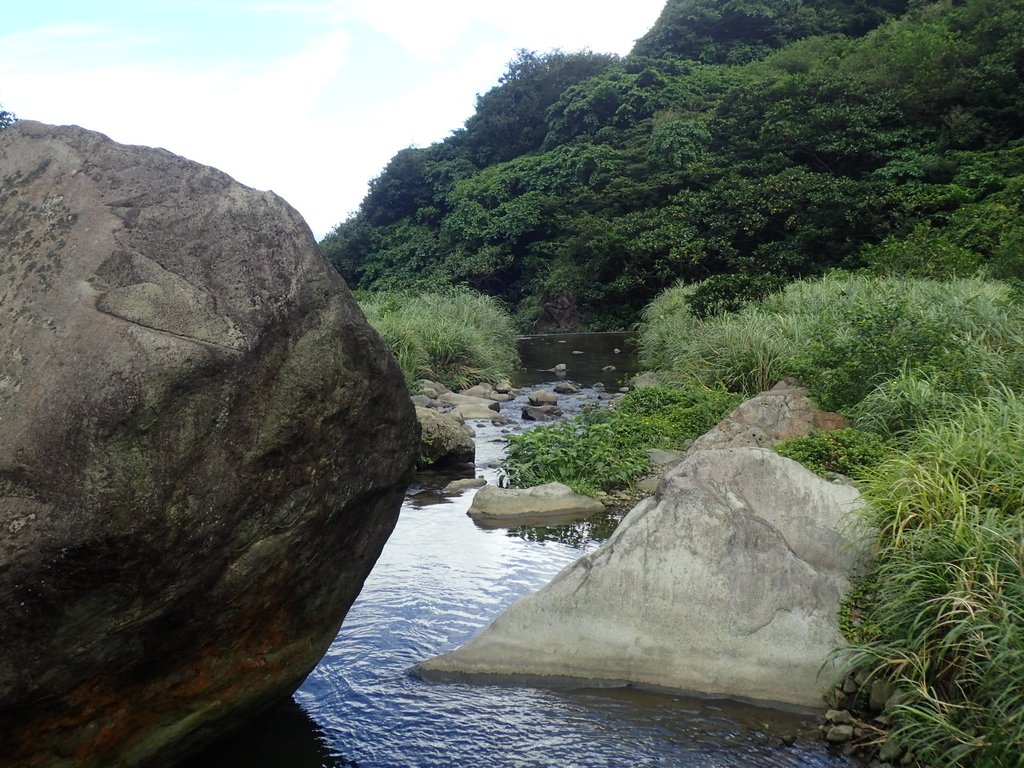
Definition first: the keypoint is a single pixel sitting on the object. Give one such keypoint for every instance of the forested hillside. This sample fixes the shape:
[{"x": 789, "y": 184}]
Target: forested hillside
[{"x": 743, "y": 143}]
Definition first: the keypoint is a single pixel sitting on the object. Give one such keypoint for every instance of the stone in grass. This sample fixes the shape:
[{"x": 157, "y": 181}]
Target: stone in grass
[{"x": 838, "y": 734}]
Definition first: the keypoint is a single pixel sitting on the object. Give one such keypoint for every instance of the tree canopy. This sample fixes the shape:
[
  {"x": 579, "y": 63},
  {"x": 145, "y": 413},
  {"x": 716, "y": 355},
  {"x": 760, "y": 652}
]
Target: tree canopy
[{"x": 744, "y": 143}]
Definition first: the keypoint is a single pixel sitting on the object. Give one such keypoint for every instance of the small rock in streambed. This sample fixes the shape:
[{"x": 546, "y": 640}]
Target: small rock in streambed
[
  {"x": 461, "y": 485},
  {"x": 577, "y": 352},
  {"x": 839, "y": 717},
  {"x": 542, "y": 397},
  {"x": 839, "y": 734},
  {"x": 566, "y": 388},
  {"x": 608, "y": 368},
  {"x": 541, "y": 412}
]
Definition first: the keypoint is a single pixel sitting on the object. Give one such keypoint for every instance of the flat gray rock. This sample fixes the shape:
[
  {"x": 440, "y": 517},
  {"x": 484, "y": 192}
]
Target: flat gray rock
[{"x": 551, "y": 502}]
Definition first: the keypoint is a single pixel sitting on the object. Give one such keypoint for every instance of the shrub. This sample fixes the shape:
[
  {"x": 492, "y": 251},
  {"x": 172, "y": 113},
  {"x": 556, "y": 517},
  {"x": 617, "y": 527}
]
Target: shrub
[
  {"x": 849, "y": 452},
  {"x": 456, "y": 337},
  {"x": 607, "y": 448},
  {"x": 966, "y": 460},
  {"x": 948, "y": 609}
]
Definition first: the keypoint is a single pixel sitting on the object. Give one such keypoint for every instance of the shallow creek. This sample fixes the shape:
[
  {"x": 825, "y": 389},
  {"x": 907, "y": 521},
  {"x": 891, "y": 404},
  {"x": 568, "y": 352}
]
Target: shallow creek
[{"x": 439, "y": 581}]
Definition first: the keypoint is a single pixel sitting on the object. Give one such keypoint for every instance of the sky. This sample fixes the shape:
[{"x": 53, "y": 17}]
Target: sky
[{"x": 308, "y": 98}]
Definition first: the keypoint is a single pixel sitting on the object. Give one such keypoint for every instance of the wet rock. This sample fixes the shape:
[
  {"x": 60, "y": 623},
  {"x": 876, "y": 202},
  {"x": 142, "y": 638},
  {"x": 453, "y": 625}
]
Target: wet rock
[
  {"x": 457, "y": 486},
  {"x": 608, "y": 368},
  {"x": 541, "y": 412},
  {"x": 577, "y": 352},
  {"x": 566, "y": 388},
  {"x": 881, "y": 690},
  {"x": 890, "y": 751},
  {"x": 444, "y": 441},
  {"x": 476, "y": 412},
  {"x": 839, "y": 717},
  {"x": 483, "y": 391},
  {"x": 436, "y": 387},
  {"x": 839, "y": 734},
  {"x": 692, "y": 561},
  {"x": 204, "y": 449},
  {"x": 548, "y": 503},
  {"x": 542, "y": 397},
  {"x": 457, "y": 400}
]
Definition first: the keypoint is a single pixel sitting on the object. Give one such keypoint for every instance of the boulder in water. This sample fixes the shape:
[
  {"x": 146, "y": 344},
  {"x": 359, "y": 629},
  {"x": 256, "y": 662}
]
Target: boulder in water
[
  {"x": 205, "y": 448},
  {"x": 727, "y": 582}
]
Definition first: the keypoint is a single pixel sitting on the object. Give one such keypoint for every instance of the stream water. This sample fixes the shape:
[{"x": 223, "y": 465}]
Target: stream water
[{"x": 439, "y": 581}]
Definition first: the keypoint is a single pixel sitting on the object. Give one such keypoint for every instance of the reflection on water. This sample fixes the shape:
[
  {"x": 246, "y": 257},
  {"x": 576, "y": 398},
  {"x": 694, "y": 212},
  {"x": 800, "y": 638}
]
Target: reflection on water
[
  {"x": 587, "y": 357},
  {"x": 285, "y": 736},
  {"x": 579, "y": 535}
]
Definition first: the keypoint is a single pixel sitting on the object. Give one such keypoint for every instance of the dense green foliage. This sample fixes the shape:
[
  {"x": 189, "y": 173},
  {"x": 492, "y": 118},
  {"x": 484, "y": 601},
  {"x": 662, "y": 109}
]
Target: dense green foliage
[
  {"x": 932, "y": 373},
  {"x": 850, "y": 452},
  {"x": 606, "y": 448},
  {"x": 456, "y": 337},
  {"x": 749, "y": 142},
  {"x": 947, "y": 623},
  {"x": 848, "y": 337}
]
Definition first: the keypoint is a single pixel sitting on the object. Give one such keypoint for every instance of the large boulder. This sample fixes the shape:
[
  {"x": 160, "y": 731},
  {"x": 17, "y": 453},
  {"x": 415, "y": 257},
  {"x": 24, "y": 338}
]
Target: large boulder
[
  {"x": 782, "y": 412},
  {"x": 444, "y": 441},
  {"x": 727, "y": 582},
  {"x": 204, "y": 450}
]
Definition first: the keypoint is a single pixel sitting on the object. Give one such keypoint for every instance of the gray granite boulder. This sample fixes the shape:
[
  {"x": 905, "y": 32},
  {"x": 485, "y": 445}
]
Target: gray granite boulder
[
  {"x": 204, "y": 450},
  {"x": 727, "y": 582}
]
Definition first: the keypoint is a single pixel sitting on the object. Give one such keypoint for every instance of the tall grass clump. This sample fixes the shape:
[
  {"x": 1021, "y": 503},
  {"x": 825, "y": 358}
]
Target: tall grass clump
[
  {"x": 948, "y": 611},
  {"x": 969, "y": 459},
  {"x": 843, "y": 335},
  {"x": 457, "y": 337},
  {"x": 950, "y": 614}
]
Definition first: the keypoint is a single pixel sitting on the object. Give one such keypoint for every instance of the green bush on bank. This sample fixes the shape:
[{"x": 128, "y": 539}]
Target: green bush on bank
[
  {"x": 605, "y": 448},
  {"x": 850, "y": 452},
  {"x": 456, "y": 337},
  {"x": 948, "y": 608},
  {"x": 843, "y": 336}
]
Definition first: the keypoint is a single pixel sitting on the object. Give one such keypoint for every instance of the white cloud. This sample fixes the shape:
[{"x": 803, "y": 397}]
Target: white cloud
[{"x": 276, "y": 122}]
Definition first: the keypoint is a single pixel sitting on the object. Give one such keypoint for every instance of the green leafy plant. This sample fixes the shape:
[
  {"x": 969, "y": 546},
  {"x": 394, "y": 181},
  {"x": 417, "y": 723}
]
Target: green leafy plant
[
  {"x": 607, "y": 448},
  {"x": 850, "y": 452}
]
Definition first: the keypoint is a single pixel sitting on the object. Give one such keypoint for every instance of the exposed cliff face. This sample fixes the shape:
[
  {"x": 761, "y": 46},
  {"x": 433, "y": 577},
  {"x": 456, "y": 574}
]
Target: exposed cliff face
[{"x": 204, "y": 449}]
